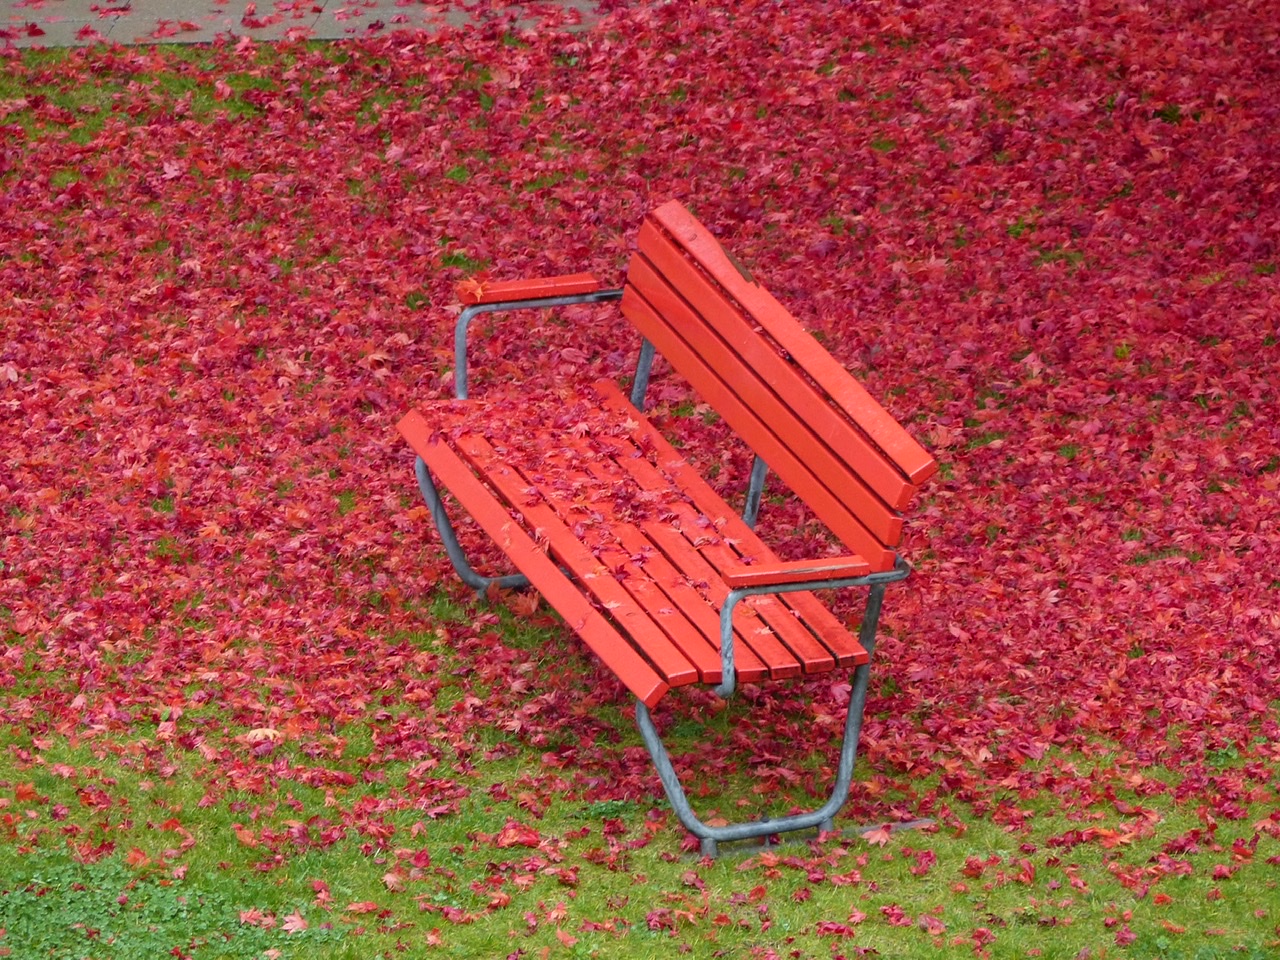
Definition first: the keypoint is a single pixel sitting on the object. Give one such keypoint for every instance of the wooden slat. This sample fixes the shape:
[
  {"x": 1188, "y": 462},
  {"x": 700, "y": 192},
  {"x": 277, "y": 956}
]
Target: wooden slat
[
  {"x": 594, "y": 577},
  {"x": 698, "y": 489},
  {"x": 796, "y": 571},
  {"x": 749, "y": 629},
  {"x": 717, "y": 370},
  {"x": 689, "y": 601},
  {"x": 914, "y": 461},
  {"x": 666, "y": 276},
  {"x": 815, "y": 654},
  {"x": 811, "y": 610},
  {"x": 818, "y": 641},
  {"x": 868, "y": 534},
  {"x": 607, "y": 546},
  {"x": 751, "y": 407},
  {"x": 478, "y": 291},
  {"x": 596, "y": 632}
]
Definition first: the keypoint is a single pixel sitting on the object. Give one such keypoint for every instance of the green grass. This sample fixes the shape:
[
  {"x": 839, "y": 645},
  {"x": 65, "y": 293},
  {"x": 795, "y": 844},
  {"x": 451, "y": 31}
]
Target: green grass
[{"x": 189, "y": 832}]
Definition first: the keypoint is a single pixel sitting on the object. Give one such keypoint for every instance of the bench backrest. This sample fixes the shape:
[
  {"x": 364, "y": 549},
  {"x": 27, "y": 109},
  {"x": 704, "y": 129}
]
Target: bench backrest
[{"x": 774, "y": 384}]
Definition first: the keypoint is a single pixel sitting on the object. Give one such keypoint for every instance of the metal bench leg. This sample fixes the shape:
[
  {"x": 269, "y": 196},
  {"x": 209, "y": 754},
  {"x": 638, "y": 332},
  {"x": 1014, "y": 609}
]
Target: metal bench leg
[
  {"x": 644, "y": 366},
  {"x": 755, "y": 489},
  {"x": 824, "y": 817},
  {"x": 511, "y": 581}
]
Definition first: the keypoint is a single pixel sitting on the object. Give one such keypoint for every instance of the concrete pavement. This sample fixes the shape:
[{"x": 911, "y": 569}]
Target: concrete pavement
[{"x": 62, "y": 23}]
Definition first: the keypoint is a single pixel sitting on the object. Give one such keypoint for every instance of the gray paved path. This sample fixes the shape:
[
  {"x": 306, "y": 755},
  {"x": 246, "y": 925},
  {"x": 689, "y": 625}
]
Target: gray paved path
[{"x": 61, "y": 23}]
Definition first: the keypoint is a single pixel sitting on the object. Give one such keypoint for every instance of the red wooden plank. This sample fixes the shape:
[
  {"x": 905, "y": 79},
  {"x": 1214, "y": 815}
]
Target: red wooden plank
[
  {"x": 813, "y": 654},
  {"x": 681, "y": 593},
  {"x": 479, "y": 291},
  {"x": 594, "y": 576},
  {"x": 749, "y": 629},
  {"x": 800, "y": 620},
  {"x": 706, "y": 499},
  {"x": 835, "y": 636},
  {"x": 749, "y": 404},
  {"x": 617, "y": 544},
  {"x": 881, "y": 527},
  {"x": 596, "y": 632},
  {"x": 914, "y": 461},
  {"x": 797, "y": 571},
  {"x": 812, "y": 611},
  {"x": 664, "y": 275}
]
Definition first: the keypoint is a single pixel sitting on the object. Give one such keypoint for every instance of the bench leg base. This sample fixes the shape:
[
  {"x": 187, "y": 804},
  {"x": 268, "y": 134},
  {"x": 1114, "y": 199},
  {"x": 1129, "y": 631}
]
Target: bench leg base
[
  {"x": 711, "y": 848},
  {"x": 823, "y": 818},
  {"x": 480, "y": 583}
]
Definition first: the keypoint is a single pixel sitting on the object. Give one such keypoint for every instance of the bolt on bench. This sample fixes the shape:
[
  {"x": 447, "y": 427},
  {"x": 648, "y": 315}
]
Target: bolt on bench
[{"x": 650, "y": 567}]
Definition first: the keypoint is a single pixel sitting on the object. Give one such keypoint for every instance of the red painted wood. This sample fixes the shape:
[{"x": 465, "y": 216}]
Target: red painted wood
[
  {"x": 669, "y": 281},
  {"x": 674, "y": 469},
  {"x": 751, "y": 407},
  {"x": 617, "y": 544},
  {"x": 914, "y": 461},
  {"x": 797, "y": 571},
  {"x": 800, "y": 619},
  {"x": 706, "y": 560},
  {"x": 594, "y": 576},
  {"x": 750, "y": 631},
  {"x": 477, "y": 291},
  {"x": 677, "y": 586},
  {"x": 868, "y": 533},
  {"x": 600, "y": 637}
]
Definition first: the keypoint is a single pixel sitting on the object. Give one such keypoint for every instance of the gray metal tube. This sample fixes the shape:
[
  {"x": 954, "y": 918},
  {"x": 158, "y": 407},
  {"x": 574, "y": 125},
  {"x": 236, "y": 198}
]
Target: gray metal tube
[
  {"x": 511, "y": 581},
  {"x": 755, "y": 489},
  {"x": 473, "y": 311},
  {"x": 823, "y": 817}
]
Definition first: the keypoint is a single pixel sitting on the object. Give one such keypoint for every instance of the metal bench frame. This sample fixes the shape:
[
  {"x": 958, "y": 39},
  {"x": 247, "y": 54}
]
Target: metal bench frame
[{"x": 710, "y": 836}]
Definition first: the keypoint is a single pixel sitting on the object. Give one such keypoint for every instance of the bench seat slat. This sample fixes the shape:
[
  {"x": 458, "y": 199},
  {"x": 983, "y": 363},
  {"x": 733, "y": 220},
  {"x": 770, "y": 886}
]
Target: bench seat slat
[
  {"x": 709, "y": 502},
  {"x": 730, "y": 525},
  {"x": 599, "y": 635},
  {"x": 785, "y": 616},
  {"x": 750, "y": 629},
  {"x": 763, "y": 624},
  {"x": 772, "y": 641},
  {"x": 885, "y": 528},
  {"x": 765, "y": 640},
  {"x": 617, "y": 547},
  {"x": 692, "y": 604},
  {"x": 828, "y": 644},
  {"x": 666, "y": 278},
  {"x": 593, "y": 575},
  {"x": 914, "y": 461}
]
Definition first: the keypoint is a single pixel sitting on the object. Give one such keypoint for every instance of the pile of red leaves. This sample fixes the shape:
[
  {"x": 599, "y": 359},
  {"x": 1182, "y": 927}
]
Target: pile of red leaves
[{"x": 1046, "y": 235}]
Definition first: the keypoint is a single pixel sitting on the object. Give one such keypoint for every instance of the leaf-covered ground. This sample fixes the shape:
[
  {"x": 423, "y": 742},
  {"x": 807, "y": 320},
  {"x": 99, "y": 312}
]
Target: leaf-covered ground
[{"x": 1046, "y": 235}]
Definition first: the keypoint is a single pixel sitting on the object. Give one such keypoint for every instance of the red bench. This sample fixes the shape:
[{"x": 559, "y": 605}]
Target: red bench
[{"x": 660, "y": 578}]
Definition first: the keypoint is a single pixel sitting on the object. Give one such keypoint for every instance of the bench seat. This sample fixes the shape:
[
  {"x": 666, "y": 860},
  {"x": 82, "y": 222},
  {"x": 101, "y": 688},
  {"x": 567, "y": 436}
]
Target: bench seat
[
  {"x": 626, "y": 522},
  {"x": 650, "y": 567}
]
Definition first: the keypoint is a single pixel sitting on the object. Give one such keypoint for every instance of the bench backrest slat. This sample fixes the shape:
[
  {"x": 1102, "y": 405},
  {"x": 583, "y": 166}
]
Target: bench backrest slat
[
  {"x": 844, "y": 522},
  {"x": 879, "y": 425},
  {"x": 664, "y": 264},
  {"x": 815, "y": 426}
]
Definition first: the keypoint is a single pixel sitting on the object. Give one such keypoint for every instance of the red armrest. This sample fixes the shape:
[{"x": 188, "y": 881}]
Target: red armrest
[
  {"x": 472, "y": 291},
  {"x": 797, "y": 571}
]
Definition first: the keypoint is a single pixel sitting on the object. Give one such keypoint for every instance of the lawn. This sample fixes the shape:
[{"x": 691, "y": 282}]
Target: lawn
[{"x": 247, "y": 710}]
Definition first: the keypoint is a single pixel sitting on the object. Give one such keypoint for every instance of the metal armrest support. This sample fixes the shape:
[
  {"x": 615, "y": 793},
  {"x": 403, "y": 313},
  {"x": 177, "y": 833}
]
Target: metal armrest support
[
  {"x": 899, "y": 572},
  {"x": 822, "y": 818},
  {"x": 471, "y": 312}
]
